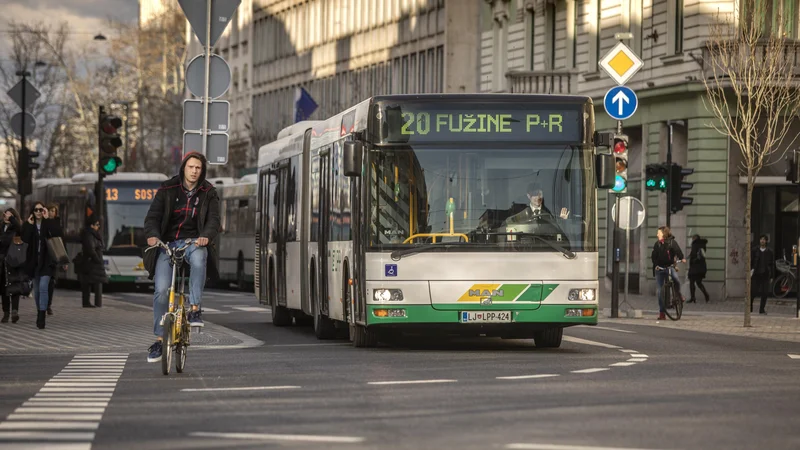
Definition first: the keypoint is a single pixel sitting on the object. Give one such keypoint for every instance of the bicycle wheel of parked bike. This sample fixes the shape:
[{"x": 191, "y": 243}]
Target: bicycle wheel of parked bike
[
  {"x": 673, "y": 302},
  {"x": 782, "y": 285},
  {"x": 168, "y": 343}
]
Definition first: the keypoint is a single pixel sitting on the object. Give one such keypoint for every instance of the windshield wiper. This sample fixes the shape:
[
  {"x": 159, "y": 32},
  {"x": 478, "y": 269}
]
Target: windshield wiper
[
  {"x": 567, "y": 253},
  {"x": 398, "y": 254}
]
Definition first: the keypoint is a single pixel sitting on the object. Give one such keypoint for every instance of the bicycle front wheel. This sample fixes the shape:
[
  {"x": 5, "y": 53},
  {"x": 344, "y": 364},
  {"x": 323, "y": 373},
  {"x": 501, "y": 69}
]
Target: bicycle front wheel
[
  {"x": 782, "y": 285},
  {"x": 168, "y": 342},
  {"x": 182, "y": 347}
]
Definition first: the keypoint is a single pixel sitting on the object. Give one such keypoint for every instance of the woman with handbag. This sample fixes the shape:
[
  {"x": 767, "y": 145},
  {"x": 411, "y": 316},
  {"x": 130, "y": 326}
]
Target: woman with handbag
[
  {"x": 40, "y": 266},
  {"x": 56, "y": 231},
  {"x": 12, "y": 277},
  {"x": 92, "y": 270}
]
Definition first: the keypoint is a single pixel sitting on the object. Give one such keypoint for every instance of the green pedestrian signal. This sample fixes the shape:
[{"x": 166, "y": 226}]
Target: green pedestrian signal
[{"x": 656, "y": 177}]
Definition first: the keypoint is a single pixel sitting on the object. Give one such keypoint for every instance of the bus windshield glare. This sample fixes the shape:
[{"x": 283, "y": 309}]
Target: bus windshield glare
[{"x": 509, "y": 198}]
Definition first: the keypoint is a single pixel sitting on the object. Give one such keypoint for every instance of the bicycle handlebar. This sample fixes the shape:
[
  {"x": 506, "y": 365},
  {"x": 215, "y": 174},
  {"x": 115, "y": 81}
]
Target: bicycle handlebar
[{"x": 172, "y": 251}]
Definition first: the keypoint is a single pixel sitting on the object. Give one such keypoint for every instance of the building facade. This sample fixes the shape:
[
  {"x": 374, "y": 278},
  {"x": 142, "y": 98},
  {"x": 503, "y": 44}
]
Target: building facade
[
  {"x": 344, "y": 51},
  {"x": 554, "y": 46}
]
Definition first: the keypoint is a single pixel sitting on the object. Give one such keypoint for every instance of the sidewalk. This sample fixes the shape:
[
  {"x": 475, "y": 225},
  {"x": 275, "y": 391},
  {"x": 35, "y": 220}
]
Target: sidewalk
[
  {"x": 116, "y": 327},
  {"x": 719, "y": 317}
]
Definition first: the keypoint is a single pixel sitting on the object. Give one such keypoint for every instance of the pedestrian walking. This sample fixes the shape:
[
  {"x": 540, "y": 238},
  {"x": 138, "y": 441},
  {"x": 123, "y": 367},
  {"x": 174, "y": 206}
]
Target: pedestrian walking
[
  {"x": 762, "y": 271},
  {"x": 39, "y": 265},
  {"x": 91, "y": 270},
  {"x": 665, "y": 253},
  {"x": 697, "y": 267},
  {"x": 57, "y": 231},
  {"x": 12, "y": 273}
]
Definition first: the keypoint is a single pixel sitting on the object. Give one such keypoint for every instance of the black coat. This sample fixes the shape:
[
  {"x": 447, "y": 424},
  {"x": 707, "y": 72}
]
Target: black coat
[
  {"x": 11, "y": 276},
  {"x": 91, "y": 269},
  {"x": 769, "y": 259},
  {"x": 697, "y": 261},
  {"x": 156, "y": 223},
  {"x": 665, "y": 253},
  {"x": 39, "y": 260},
  {"x": 7, "y": 235}
]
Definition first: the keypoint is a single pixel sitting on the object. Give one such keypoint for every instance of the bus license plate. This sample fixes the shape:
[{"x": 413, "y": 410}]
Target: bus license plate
[{"x": 485, "y": 316}]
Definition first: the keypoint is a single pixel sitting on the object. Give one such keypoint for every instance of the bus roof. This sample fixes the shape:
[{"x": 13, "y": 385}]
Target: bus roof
[
  {"x": 299, "y": 127},
  {"x": 50, "y": 181},
  {"x": 249, "y": 178},
  {"x": 221, "y": 181},
  {"x": 123, "y": 176}
]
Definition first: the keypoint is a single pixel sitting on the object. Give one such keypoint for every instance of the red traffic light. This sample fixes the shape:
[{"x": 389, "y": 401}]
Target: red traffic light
[{"x": 620, "y": 147}]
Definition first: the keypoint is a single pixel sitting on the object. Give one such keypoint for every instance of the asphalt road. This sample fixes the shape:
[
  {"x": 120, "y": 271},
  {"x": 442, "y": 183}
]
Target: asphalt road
[{"x": 614, "y": 386}]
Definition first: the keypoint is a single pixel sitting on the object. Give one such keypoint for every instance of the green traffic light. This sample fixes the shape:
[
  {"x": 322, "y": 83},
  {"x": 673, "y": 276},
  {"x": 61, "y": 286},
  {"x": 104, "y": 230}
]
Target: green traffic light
[
  {"x": 110, "y": 165},
  {"x": 651, "y": 183},
  {"x": 619, "y": 184},
  {"x": 662, "y": 184}
]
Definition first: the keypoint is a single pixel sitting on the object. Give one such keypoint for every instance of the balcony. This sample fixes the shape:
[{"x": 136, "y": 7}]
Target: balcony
[
  {"x": 540, "y": 82},
  {"x": 791, "y": 53}
]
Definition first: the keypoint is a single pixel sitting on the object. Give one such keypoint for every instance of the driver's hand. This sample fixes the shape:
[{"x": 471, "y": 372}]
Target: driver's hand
[
  {"x": 151, "y": 241},
  {"x": 201, "y": 242},
  {"x": 564, "y": 213}
]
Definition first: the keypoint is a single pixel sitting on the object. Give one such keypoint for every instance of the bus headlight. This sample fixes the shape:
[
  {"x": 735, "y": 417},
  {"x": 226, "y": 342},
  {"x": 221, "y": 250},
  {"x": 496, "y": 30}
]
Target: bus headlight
[
  {"x": 583, "y": 295},
  {"x": 387, "y": 295}
]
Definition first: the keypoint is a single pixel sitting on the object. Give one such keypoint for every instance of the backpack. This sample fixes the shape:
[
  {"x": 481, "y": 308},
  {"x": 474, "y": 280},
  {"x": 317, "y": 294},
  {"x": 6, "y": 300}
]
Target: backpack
[{"x": 17, "y": 254}]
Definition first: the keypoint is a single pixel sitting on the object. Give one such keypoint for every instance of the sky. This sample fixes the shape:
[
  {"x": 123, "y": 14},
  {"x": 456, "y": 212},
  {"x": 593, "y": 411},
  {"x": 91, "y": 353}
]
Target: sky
[{"x": 85, "y": 17}]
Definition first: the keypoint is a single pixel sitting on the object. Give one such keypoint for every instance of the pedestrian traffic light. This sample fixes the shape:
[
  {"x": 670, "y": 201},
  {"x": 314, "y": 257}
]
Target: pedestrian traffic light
[
  {"x": 26, "y": 164},
  {"x": 620, "y": 151},
  {"x": 792, "y": 166},
  {"x": 656, "y": 177},
  {"x": 678, "y": 187},
  {"x": 109, "y": 142}
]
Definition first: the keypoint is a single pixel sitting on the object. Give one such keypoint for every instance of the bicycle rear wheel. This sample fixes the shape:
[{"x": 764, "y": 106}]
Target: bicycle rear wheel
[
  {"x": 782, "y": 285},
  {"x": 182, "y": 348},
  {"x": 168, "y": 343}
]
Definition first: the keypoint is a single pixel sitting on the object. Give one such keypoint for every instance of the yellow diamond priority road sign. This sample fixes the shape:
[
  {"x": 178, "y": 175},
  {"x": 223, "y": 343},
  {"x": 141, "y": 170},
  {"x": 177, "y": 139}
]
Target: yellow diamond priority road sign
[{"x": 621, "y": 63}]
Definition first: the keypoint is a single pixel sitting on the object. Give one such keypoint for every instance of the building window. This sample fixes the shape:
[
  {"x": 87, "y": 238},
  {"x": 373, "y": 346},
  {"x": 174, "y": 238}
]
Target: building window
[
  {"x": 675, "y": 25},
  {"x": 530, "y": 37},
  {"x": 550, "y": 36},
  {"x": 572, "y": 33}
]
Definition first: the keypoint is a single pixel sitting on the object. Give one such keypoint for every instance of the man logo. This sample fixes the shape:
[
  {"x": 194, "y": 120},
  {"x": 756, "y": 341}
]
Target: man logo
[
  {"x": 486, "y": 301},
  {"x": 485, "y": 293}
]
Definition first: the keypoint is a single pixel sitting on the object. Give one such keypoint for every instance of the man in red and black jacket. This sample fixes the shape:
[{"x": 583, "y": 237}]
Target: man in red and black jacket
[{"x": 185, "y": 207}]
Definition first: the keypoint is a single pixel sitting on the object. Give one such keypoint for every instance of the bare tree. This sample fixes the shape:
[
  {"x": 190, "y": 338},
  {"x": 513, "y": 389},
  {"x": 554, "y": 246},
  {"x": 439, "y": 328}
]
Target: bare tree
[{"x": 749, "y": 76}]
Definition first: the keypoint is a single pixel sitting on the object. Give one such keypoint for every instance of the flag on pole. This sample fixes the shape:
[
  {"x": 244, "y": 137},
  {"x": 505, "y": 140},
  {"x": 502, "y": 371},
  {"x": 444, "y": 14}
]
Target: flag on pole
[{"x": 304, "y": 105}]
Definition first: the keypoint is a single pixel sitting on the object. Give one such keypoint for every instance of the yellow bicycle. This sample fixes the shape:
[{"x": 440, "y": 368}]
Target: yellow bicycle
[{"x": 175, "y": 338}]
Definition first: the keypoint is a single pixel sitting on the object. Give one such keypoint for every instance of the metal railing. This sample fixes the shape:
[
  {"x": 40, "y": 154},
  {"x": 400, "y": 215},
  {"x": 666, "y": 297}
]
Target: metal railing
[{"x": 541, "y": 82}]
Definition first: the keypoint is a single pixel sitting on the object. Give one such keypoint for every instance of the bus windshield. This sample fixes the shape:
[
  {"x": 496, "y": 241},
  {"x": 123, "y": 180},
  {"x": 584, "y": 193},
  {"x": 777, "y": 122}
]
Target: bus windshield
[
  {"x": 512, "y": 198},
  {"x": 126, "y": 207}
]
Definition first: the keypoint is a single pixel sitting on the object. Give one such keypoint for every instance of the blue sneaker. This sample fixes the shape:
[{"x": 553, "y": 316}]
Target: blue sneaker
[
  {"x": 155, "y": 352},
  {"x": 196, "y": 318}
]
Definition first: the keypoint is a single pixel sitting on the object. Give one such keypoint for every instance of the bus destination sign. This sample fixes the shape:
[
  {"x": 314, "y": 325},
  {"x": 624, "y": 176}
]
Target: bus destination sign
[{"x": 430, "y": 123}]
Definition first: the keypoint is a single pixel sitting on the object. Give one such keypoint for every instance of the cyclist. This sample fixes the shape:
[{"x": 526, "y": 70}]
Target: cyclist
[
  {"x": 665, "y": 252},
  {"x": 185, "y": 207}
]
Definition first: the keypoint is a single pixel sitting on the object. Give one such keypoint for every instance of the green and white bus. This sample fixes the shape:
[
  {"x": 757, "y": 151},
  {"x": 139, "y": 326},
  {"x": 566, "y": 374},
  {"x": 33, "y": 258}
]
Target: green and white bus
[{"x": 413, "y": 213}]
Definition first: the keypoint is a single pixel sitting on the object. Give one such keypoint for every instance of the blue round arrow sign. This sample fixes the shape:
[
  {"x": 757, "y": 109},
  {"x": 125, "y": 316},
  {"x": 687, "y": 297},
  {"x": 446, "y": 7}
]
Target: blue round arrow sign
[{"x": 620, "y": 102}]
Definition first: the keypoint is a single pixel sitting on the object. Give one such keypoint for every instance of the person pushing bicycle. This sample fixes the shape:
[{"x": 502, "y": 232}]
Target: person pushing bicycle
[
  {"x": 665, "y": 253},
  {"x": 185, "y": 207}
]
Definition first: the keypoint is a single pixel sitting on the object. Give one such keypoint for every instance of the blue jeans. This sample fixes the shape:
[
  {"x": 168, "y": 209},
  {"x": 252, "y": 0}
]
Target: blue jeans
[
  {"x": 196, "y": 257},
  {"x": 41, "y": 290},
  {"x": 661, "y": 277}
]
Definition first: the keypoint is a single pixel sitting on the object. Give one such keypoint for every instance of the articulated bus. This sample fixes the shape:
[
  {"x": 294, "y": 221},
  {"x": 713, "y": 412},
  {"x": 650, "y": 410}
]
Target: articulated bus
[
  {"x": 235, "y": 241},
  {"x": 127, "y": 198},
  {"x": 413, "y": 214}
]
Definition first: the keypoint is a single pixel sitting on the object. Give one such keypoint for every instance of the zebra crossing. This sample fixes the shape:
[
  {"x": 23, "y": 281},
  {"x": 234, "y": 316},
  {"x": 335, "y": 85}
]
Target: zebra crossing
[{"x": 67, "y": 410}]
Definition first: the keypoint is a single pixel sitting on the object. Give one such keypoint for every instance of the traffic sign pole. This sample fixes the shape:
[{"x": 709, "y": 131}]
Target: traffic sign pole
[
  {"x": 23, "y": 153},
  {"x": 206, "y": 100}
]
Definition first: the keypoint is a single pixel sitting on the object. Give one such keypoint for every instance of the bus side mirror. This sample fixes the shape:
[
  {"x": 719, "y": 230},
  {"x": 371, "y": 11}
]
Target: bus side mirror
[
  {"x": 605, "y": 172},
  {"x": 352, "y": 158}
]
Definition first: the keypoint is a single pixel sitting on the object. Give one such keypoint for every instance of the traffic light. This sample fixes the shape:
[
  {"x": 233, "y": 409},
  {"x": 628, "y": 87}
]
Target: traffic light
[
  {"x": 792, "y": 166},
  {"x": 656, "y": 177},
  {"x": 25, "y": 167},
  {"x": 678, "y": 201},
  {"x": 620, "y": 151},
  {"x": 108, "y": 131}
]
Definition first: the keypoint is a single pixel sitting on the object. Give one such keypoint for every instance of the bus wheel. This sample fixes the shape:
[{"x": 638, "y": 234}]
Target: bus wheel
[
  {"x": 362, "y": 336},
  {"x": 548, "y": 338}
]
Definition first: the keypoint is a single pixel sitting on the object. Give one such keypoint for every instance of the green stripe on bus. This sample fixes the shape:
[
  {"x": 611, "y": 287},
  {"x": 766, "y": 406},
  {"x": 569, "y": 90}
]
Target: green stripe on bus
[
  {"x": 548, "y": 289},
  {"x": 532, "y": 294},
  {"x": 510, "y": 292}
]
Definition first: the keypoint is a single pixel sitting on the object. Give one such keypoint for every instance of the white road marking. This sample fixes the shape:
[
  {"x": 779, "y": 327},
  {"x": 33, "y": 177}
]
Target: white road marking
[
  {"x": 383, "y": 383},
  {"x": 637, "y": 360},
  {"x": 48, "y": 446},
  {"x": 283, "y": 437},
  {"x": 78, "y": 394},
  {"x": 563, "y": 447},
  {"x": 588, "y": 342},
  {"x": 25, "y": 425},
  {"x": 793, "y": 356},
  {"x": 31, "y": 416},
  {"x": 597, "y": 369},
  {"x": 75, "y": 389},
  {"x": 258, "y": 309},
  {"x": 628, "y": 351},
  {"x": 46, "y": 436},
  {"x": 612, "y": 329},
  {"x": 87, "y": 383},
  {"x": 526, "y": 377},
  {"x": 68, "y": 399},
  {"x": 31, "y": 409},
  {"x": 81, "y": 404},
  {"x": 638, "y": 355},
  {"x": 254, "y": 388},
  {"x": 622, "y": 364},
  {"x": 310, "y": 345}
]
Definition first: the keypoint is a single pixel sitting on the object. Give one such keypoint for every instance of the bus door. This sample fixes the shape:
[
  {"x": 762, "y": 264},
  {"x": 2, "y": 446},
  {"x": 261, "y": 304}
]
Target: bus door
[
  {"x": 324, "y": 226},
  {"x": 282, "y": 230},
  {"x": 356, "y": 234},
  {"x": 266, "y": 191}
]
